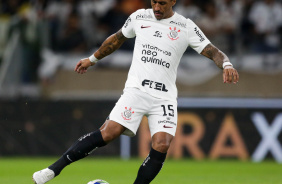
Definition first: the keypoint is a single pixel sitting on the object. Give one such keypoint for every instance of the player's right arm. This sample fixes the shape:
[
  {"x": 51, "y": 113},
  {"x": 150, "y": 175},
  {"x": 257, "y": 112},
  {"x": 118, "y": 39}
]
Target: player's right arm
[{"x": 111, "y": 44}]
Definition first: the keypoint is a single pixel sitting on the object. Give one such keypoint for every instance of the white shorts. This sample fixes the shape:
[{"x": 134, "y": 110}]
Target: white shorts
[{"x": 134, "y": 104}]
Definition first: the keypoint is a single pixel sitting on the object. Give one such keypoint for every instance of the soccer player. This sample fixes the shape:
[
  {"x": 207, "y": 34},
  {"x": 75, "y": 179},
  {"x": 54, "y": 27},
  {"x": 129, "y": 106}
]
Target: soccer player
[{"x": 162, "y": 36}]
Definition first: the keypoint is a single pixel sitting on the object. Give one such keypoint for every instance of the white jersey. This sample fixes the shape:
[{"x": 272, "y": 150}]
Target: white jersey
[{"x": 159, "y": 46}]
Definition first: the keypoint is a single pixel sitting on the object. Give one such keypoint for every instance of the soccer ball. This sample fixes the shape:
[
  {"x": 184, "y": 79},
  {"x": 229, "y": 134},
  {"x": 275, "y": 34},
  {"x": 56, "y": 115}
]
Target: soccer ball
[{"x": 98, "y": 181}]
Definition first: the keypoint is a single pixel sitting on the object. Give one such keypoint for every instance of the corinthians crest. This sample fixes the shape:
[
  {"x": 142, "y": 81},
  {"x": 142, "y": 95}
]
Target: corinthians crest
[
  {"x": 126, "y": 115},
  {"x": 173, "y": 34}
]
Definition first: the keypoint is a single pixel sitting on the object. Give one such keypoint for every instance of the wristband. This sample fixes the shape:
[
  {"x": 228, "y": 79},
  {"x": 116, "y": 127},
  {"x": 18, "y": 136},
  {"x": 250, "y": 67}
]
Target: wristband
[
  {"x": 93, "y": 59},
  {"x": 226, "y": 64}
]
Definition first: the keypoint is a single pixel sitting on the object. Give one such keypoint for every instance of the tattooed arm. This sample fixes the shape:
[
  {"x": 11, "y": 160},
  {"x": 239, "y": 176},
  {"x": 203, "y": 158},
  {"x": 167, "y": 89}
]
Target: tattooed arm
[
  {"x": 213, "y": 53},
  {"x": 111, "y": 44}
]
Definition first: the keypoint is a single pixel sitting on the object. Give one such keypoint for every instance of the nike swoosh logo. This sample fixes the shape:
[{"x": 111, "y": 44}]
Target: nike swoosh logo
[
  {"x": 167, "y": 126},
  {"x": 145, "y": 27},
  {"x": 68, "y": 157}
]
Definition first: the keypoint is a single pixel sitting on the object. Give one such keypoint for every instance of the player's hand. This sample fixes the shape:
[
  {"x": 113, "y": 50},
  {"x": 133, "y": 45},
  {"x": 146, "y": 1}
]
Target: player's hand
[
  {"x": 82, "y": 65},
  {"x": 230, "y": 75}
]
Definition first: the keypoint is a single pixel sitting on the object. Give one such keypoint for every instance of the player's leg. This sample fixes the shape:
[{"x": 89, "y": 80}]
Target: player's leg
[
  {"x": 109, "y": 131},
  {"x": 155, "y": 160},
  {"x": 162, "y": 122},
  {"x": 128, "y": 115},
  {"x": 87, "y": 143}
]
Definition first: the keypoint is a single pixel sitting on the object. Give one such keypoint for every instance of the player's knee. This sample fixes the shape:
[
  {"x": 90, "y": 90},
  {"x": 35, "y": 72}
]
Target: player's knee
[
  {"x": 108, "y": 136},
  {"x": 161, "y": 146},
  {"x": 161, "y": 141},
  {"x": 111, "y": 130}
]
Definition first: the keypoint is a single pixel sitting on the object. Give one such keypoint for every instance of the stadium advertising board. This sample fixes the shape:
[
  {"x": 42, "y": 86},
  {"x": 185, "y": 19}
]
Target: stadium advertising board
[
  {"x": 223, "y": 133},
  {"x": 244, "y": 132}
]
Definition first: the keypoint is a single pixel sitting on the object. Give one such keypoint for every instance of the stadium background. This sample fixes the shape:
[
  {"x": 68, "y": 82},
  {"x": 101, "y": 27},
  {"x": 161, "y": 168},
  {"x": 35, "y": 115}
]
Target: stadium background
[{"x": 45, "y": 106}]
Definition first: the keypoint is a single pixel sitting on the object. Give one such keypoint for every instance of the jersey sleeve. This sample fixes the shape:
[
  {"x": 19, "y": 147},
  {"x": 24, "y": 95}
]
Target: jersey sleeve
[
  {"x": 196, "y": 38},
  {"x": 128, "y": 28}
]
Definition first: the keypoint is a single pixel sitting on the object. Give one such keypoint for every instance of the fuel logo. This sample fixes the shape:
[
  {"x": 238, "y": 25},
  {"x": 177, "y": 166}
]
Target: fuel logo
[{"x": 155, "y": 85}]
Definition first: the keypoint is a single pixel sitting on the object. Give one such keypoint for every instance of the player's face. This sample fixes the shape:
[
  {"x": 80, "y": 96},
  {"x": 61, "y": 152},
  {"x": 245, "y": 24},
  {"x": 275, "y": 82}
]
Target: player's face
[{"x": 162, "y": 8}]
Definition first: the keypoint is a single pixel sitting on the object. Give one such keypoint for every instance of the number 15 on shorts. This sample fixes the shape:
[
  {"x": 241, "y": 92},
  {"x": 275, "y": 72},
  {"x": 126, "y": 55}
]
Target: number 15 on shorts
[{"x": 168, "y": 110}]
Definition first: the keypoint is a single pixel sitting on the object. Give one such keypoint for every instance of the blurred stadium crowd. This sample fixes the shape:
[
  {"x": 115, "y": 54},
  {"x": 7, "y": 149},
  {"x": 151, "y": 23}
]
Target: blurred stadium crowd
[{"x": 78, "y": 26}]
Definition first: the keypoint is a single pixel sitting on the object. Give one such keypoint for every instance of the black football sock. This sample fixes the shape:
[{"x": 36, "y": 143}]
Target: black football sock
[
  {"x": 80, "y": 149},
  {"x": 150, "y": 167}
]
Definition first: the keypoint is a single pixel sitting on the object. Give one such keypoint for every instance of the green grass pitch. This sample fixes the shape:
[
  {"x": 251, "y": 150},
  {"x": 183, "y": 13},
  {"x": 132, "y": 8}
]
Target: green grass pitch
[{"x": 117, "y": 171}]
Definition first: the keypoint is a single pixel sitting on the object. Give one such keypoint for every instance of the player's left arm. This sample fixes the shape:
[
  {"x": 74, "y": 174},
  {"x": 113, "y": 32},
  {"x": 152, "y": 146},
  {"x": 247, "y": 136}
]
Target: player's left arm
[{"x": 222, "y": 61}]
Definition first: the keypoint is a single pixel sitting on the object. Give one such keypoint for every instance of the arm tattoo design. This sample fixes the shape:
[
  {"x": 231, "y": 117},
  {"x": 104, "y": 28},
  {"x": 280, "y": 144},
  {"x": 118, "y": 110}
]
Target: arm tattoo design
[
  {"x": 111, "y": 44},
  {"x": 213, "y": 53}
]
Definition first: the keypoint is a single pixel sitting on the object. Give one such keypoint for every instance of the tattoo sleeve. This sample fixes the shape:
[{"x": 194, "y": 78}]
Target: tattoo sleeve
[
  {"x": 213, "y": 53},
  {"x": 111, "y": 44}
]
